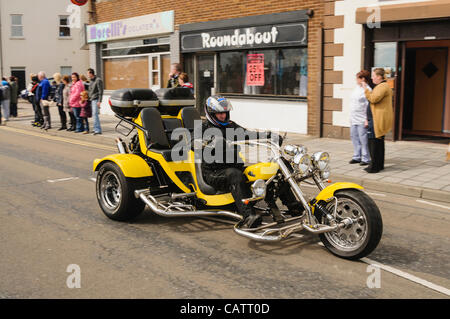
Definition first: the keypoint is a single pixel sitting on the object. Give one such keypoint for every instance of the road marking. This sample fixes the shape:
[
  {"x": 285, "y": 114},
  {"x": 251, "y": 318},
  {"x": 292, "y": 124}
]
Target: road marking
[
  {"x": 61, "y": 179},
  {"x": 93, "y": 179},
  {"x": 58, "y": 138},
  {"x": 407, "y": 276},
  {"x": 376, "y": 194},
  {"x": 404, "y": 275},
  {"x": 433, "y": 204}
]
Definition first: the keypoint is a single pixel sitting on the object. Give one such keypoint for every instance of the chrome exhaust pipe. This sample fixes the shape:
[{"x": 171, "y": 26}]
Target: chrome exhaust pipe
[{"x": 153, "y": 204}]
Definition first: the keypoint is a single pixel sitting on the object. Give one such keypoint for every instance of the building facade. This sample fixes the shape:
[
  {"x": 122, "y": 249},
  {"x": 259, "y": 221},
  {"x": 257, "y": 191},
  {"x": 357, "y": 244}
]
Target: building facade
[
  {"x": 36, "y": 36},
  {"x": 264, "y": 55},
  {"x": 410, "y": 40}
]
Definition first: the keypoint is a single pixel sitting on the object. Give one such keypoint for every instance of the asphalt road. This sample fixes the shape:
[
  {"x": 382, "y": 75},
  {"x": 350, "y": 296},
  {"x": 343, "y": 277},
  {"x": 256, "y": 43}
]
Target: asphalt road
[{"x": 46, "y": 225}]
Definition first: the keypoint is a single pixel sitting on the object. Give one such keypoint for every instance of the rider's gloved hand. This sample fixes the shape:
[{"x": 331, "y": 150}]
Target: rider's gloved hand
[{"x": 274, "y": 137}]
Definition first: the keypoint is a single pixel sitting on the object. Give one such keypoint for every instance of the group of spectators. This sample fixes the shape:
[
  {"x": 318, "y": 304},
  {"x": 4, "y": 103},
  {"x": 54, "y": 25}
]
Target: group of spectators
[
  {"x": 177, "y": 78},
  {"x": 8, "y": 97},
  {"x": 77, "y": 97},
  {"x": 371, "y": 118}
]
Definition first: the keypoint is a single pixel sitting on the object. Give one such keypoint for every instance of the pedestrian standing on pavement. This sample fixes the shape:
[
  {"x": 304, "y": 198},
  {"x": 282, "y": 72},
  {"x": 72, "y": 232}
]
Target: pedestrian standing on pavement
[
  {"x": 380, "y": 117},
  {"x": 74, "y": 101},
  {"x": 32, "y": 92},
  {"x": 14, "y": 94},
  {"x": 6, "y": 98},
  {"x": 183, "y": 80},
  {"x": 44, "y": 91},
  {"x": 85, "y": 110},
  {"x": 65, "y": 102},
  {"x": 95, "y": 95},
  {"x": 175, "y": 72},
  {"x": 85, "y": 81},
  {"x": 59, "y": 101},
  {"x": 358, "y": 118}
]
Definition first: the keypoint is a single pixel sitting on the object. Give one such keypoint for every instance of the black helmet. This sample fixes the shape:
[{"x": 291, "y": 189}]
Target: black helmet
[{"x": 217, "y": 104}]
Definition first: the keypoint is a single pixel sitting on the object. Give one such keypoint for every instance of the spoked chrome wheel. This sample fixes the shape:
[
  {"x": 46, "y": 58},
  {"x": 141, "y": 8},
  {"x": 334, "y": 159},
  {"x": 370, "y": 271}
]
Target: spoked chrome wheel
[
  {"x": 110, "y": 191},
  {"x": 364, "y": 225},
  {"x": 115, "y": 194},
  {"x": 352, "y": 236}
]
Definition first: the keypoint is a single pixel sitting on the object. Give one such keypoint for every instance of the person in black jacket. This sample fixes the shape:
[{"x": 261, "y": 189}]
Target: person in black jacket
[
  {"x": 223, "y": 168},
  {"x": 59, "y": 101}
]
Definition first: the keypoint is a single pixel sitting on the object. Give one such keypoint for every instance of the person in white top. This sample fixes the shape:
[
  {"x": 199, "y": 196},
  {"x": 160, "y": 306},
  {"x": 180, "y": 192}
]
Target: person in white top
[{"x": 358, "y": 120}]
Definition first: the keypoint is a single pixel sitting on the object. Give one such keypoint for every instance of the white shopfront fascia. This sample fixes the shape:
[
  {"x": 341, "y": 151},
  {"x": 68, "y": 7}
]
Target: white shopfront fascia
[{"x": 151, "y": 25}]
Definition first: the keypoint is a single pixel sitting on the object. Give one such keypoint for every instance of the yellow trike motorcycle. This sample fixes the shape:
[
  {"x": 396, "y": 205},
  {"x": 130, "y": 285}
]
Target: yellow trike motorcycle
[{"x": 159, "y": 169}]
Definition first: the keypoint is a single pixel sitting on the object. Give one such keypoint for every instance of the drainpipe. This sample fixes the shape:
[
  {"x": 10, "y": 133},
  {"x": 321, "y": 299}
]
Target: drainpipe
[{"x": 1, "y": 42}]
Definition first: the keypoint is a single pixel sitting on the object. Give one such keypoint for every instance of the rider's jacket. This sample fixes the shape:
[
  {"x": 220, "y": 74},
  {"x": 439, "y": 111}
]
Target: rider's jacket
[{"x": 217, "y": 154}]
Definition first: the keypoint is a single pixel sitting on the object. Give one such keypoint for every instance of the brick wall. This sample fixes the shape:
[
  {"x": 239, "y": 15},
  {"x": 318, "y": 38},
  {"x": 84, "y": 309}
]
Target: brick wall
[
  {"x": 331, "y": 77},
  {"x": 210, "y": 10}
]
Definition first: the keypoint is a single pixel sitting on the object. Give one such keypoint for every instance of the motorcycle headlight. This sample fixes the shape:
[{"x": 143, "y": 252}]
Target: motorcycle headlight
[
  {"x": 290, "y": 150},
  {"x": 325, "y": 174},
  {"x": 259, "y": 188},
  {"x": 303, "y": 162},
  {"x": 293, "y": 150},
  {"x": 321, "y": 160}
]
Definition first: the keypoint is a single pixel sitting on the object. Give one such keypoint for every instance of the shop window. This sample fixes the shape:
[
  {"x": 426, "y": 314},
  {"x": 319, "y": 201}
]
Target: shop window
[
  {"x": 126, "y": 73},
  {"x": 280, "y": 72},
  {"x": 64, "y": 29}
]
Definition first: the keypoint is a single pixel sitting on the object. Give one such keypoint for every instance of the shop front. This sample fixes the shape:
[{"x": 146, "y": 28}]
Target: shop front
[
  {"x": 259, "y": 62},
  {"x": 413, "y": 46},
  {"x": 133, "y": 53}
]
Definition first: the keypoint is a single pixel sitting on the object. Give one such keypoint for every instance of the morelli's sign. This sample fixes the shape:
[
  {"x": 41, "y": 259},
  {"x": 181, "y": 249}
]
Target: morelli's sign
[
  {"x": 294, "y": 34},
  {"x": 151, "y": 24}
]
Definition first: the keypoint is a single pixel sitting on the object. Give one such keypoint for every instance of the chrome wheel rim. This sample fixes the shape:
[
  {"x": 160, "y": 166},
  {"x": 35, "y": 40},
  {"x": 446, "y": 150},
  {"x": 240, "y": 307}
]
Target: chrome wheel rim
[
  {"x": 110, "y": 191},
  {"x": 353, "y": 236}
]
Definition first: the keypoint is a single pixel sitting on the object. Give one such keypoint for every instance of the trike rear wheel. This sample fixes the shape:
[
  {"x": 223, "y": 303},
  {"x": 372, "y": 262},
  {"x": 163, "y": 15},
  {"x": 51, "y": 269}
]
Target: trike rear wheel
[{"x": 115, "y": 194}]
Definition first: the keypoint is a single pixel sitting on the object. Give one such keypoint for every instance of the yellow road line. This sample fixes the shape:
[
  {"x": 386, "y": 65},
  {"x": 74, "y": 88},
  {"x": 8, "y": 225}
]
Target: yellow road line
[{"x": 58, "y": 138}]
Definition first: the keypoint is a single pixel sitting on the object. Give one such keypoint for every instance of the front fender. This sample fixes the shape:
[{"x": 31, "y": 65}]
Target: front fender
[
  {"x": 329, "y": 191},
  {"x": 131, "y": 165}
]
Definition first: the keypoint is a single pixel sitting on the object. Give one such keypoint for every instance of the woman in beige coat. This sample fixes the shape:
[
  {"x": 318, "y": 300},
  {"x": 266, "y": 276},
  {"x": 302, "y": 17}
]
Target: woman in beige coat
[{"x": 381, "y": 116}]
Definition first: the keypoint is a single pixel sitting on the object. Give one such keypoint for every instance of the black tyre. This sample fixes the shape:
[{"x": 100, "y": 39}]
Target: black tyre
[
  {"x": 360, "y": 238},
  {"x": 115, "y": 194}
]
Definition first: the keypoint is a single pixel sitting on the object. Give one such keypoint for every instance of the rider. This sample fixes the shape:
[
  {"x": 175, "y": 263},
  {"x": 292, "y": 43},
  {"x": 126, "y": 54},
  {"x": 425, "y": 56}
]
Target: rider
[{"x": 225, "y": 175}]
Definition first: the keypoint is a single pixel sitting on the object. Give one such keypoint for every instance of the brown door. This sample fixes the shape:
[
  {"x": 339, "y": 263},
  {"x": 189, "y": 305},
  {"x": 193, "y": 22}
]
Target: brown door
[{"x": 429, "y": 93}]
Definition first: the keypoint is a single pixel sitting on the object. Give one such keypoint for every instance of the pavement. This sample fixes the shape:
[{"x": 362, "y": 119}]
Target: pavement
[
  {"x": 50, "y": 222},
  {"x": 416, "y": 169}
]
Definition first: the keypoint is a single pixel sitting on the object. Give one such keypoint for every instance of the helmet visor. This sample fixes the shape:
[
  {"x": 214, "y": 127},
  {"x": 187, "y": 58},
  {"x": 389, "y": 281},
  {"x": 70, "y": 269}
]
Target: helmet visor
[{"x": 218, "y": 105}]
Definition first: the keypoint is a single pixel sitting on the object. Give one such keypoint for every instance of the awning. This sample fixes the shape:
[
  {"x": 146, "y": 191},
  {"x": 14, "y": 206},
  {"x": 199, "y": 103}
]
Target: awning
[{"x": 407, "y": 11}]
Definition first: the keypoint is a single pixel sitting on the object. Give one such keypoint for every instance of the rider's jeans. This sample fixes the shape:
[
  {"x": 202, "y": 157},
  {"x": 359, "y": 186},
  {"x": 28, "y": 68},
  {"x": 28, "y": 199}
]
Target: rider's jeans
[
  {"x": 230, "y": 180},
  {"x": 360, "y": 142},
  {"x": 95, "y": 113}
]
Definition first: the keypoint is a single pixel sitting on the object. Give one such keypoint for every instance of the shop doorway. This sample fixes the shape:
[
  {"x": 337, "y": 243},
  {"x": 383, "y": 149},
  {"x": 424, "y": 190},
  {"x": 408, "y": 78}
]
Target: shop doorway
[
  {"x": 426, "y": 90},
  {"x": 205, "y": 80}
]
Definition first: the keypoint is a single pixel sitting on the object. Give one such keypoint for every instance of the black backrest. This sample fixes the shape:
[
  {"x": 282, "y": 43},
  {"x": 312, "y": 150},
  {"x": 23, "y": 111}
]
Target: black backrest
[
  {"x": 152, "y": 122},
  {"x": 189, "y": 115}
]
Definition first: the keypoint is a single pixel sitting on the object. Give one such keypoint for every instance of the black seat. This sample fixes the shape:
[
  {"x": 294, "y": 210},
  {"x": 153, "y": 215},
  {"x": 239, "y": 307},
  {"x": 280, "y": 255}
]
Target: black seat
[
  {"x": 157, "y": 139},
  {"x": 189, "y": 115}
]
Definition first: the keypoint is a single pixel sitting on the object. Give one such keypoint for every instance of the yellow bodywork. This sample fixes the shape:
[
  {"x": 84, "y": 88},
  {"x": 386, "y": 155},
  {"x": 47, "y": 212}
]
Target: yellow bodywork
[
  {"x": 130, "y": 164},
  {"x": 328, "y": 192},
  {"x": 261, "y": 171}
]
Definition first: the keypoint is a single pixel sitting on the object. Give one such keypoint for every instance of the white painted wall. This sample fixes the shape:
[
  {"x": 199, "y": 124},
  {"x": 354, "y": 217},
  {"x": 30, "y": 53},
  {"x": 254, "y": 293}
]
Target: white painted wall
[
  {"x": 41, "y": 49},
  {"x": 350, "y": 63},
  {"x": 271, "y": 115},
  {"x": 285, "y": 116}
]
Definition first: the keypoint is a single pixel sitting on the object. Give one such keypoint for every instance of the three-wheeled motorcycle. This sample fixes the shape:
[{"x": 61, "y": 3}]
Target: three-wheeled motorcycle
[{"x": 152, "y": 170}]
